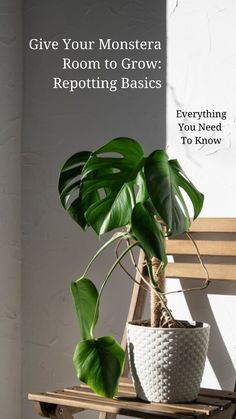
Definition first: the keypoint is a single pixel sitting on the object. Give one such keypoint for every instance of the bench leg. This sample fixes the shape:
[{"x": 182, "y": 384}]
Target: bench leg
[
  {"x": 62, "y": 412},
  {"x": 42, "y": 409},
  {"x": 227, "y": 414},
  {"x": 104, "y": 415},
  {"x": 53, "y": 411}
]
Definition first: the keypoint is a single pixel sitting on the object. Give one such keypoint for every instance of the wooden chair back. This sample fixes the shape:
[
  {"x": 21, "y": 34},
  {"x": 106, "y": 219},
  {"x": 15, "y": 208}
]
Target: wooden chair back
[{"x": 215, "y": 237}]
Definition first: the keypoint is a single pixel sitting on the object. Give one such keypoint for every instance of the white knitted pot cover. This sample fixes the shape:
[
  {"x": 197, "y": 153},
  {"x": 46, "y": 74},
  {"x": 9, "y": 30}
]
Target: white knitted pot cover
[{"x": 167, "y": 364}]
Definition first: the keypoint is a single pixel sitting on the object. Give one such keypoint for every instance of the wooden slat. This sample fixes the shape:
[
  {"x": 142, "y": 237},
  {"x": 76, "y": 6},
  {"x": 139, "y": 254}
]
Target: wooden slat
[
  {"x": 125, "y": 391},
  {"x": 182, "y": 407},
  {"x": 222, "y": 404},
  {"x": 195, "y": 270},
  {"x": 214, "y": 225},
  {"x": 204, "y": 399},
  {"x": 125, "y": 381},
  {"x": 77, "y": 398},
  {"x": 220, "y": 394},
  {"x": 205, "y": 247},
  {"x": 125, "y": 407},
  {"x": 125, "y": 386},
  {"x": 208, "y": 392}
]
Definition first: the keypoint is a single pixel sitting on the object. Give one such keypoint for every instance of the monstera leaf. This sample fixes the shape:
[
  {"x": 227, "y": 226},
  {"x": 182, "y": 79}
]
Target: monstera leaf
[
  {"x": 99, "y": 363},
  {"x": 69, "y": 187},
  {"x": 85, "y": 296},
  {"x": 196, "y": 197},
  {"x": 164, "y": 179},
  {"x": 114, "y": 169},
  {"x": 148, "y": 232}
]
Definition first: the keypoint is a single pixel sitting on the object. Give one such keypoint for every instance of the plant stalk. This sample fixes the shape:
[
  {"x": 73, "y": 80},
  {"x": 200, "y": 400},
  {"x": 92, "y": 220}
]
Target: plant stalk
[
  {"x": 166, "y": 318},
  {"x": 156, "y": 312}
]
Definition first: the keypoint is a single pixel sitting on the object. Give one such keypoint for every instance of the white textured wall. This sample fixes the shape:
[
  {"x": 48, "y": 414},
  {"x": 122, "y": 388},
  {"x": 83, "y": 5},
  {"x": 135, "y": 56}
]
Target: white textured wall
[
  {"x": 201, "y": 74},
  {"x": 10, "y": 185}
]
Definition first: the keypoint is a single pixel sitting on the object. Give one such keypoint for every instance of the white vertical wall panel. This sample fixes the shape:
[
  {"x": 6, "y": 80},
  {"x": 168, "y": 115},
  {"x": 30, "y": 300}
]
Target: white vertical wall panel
[{"x": 201, "y": 70}]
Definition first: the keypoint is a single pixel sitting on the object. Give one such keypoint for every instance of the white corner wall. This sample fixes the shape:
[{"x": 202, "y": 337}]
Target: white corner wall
[
  {"x": 201, "y": 62},
  {"x": 10, "y": 206}
]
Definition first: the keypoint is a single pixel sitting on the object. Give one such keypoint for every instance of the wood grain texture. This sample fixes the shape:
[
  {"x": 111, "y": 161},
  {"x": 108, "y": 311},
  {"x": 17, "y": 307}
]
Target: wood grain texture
[
  {"x": 214, "y": 225},
  {"x": 206, "y": 408},
  {"x": 82, "y": 397},
  {"x": 63, "y": 412},
  {"x": 195, "y": 271},
  {"x": 42, "y": 409},
  {"x": 125, "y": 406},
  {"x": 127, "y": 384},
  {"x": 205, "y": 247}
]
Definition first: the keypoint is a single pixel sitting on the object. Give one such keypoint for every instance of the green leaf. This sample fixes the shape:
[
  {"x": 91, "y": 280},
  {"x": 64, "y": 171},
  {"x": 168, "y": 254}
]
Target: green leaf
[
  {"x": 164, "y": 179},
  {"x": 114, "y": 169},
  {"x": 99, "y": 363},
  {"x": 85, "y": 296},
  {"x": 142, "y": 194},
  {"x": 148, "y": 232},
  {"x": 196, "y": 197},
  {"x": 70, "y": 186}
]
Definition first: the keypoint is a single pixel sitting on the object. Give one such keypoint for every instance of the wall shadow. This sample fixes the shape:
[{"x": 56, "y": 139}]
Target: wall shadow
[{"x": 200, "y": 309}]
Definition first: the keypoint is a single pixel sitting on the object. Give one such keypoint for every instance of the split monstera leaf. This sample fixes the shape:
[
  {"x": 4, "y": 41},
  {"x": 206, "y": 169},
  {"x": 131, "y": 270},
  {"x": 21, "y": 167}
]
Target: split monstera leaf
[{"x": 118, "y": 187}]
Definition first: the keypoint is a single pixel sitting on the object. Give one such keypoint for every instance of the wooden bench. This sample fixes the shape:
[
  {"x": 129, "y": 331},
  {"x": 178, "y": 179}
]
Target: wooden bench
[{"x": 214, "y": 237}]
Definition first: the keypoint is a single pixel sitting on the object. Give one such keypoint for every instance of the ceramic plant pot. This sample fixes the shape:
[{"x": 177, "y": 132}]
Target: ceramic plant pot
[{"x": 167, "y": 364}]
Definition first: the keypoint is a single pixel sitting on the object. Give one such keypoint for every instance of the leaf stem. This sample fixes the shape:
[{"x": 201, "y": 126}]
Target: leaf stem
[
  {"x": 124, "y": 269},
  {"x": 207, "y": 280},
  {"x": 115, "y": 237},
  {"x": 106, "y": 279}
]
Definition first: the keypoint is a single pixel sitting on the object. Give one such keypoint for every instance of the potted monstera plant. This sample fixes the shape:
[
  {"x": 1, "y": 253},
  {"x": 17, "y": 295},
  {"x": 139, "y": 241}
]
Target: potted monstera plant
[{"x": 116, "y": 188}]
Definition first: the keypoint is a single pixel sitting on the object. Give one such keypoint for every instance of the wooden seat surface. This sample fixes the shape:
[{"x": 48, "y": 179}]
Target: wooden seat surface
[{"x": 209, "y": 402}]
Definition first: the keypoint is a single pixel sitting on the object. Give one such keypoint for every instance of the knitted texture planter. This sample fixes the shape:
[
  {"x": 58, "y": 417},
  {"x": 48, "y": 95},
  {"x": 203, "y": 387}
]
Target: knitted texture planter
[{"x": 167, "y": 364}]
